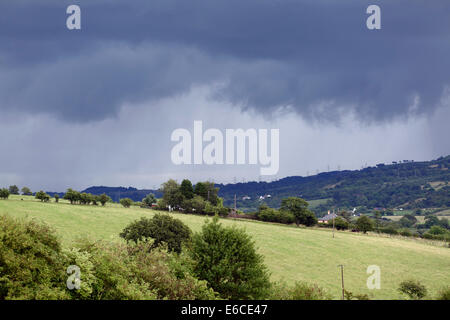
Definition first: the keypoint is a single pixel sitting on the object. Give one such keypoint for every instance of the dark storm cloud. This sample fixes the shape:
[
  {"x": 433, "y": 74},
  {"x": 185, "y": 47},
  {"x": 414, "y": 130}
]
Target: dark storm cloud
[{"x": 316, "y": 57}]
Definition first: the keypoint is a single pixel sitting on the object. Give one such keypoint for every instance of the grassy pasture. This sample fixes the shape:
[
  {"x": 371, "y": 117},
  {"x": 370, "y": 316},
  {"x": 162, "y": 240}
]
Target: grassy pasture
[{"x": 291, "y": 253}]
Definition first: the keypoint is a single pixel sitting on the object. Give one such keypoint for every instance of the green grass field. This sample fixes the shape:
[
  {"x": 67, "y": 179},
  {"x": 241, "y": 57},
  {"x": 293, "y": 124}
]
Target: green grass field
[{"x": 291, "y": 253}]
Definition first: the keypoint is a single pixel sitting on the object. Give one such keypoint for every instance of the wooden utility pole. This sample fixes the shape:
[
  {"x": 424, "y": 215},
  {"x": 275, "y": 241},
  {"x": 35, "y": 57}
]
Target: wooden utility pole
[
  {"x": 342, "y": 280},
  {"x": 333, "y": 222}
]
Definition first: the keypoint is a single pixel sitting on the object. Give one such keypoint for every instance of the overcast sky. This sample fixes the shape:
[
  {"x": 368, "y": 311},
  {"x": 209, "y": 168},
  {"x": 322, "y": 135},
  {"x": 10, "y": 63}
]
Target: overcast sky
[{"x": 97, "y": 106}]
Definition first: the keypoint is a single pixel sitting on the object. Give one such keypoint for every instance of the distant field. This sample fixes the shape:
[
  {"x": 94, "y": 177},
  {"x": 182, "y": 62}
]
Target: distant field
[
  {"x": 420, "y": 219},
  {"x": 318, "y": 202},
  {"x": 443, "y": 213},
  {"x": 290, "y": 253},
  {"x": 402, "y": 212}
]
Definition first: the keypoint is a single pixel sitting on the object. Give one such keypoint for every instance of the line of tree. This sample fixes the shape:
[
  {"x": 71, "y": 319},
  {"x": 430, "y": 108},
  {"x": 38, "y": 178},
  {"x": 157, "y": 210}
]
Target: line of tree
[
  {"x": 292, "y": 210},
  {"x": 184, "y": 197},
  {"x": 15, "y": 190},
  {"x": 75, "y": 197}
]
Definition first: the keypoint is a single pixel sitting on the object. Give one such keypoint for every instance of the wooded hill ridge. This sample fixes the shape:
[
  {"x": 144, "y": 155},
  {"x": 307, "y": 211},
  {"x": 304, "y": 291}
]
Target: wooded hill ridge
[{"x": 404, "y": 184}]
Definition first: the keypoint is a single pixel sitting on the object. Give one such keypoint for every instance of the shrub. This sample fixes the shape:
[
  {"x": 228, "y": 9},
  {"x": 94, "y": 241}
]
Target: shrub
[
  {"x": 4, "y": 193},
  {"x": 413, "y": 289},
  {"x": 340, "y": 223},
  {"x": 226, "y": 258},
  {"x": 31, "y": 262},
  {"x": 406, "y": 233},
  {"x": 444, "y": 294},
  {"x": 298, "y": 207},
  {"x": 388, "y": 230},
  {"x": 299, "y": 291},
  {"x": 149, "y": 200},
  {"x": 162, "y": 228},
  {"x": 348, "y": 295},
  {"x": 33, "y": 266},
  {"x": 408, "y": 220},
  {"x": 126, "y": 202},
  {"x": 437, "y": 230},
  {"x": 117, "y": 271},
  {"x": 56, "y": 197},
  {"x": 169, "y": 275},
  {"x": 224, "y": 211},
  {"x": 107, "y": 273},
  {"x": 41, "y": 195},
  {"x": 273, "y": 215},
  {"x": 364, "y": 224}
]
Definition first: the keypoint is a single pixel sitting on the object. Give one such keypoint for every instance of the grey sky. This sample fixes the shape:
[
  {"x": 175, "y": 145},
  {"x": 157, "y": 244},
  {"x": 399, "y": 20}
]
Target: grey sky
[{"x": 104, "y": 100}]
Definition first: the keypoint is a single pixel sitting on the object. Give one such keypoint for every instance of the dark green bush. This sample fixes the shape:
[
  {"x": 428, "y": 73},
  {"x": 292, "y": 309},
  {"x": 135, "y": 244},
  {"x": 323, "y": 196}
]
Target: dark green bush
[
  {"x": 406, "y": 233},
  {"x": 273, "y": 215},
  {"x": 444, "y": 294},
  {"x": 126, "y": 202},
  {"x": 4, "y": 193},
  {"x": 339, "y": 223},
  {"x": 32, "y": 265},
  {"x": 364, "y": 224},
  {"x": 117, "y": 271},
  {"x": 227, "y": 259},
  {"x": 388, "y": 230},
  {"x": 413, "y": 289},
  {"x": 162, "y": 229},
  {"x": 299, "y": 291}
]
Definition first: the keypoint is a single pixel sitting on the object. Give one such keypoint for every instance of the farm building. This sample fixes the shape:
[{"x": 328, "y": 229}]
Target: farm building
[{"x": 327, "y": 218}]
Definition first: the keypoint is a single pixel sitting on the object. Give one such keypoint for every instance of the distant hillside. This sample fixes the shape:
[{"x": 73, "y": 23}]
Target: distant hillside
[
  {"x": 117, "y": 193},
  {"x": 405, "y": 184}
]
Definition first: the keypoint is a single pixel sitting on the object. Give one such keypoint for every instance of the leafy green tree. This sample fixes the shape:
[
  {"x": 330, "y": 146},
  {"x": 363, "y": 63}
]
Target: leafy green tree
[
  {"x": 26, "y": 191},
  {"x": 95, "y": 199},
  {"x": 413, "y": 289},
  {"x": 211, "y": 193},
  {"x": 86, "y": 198},
  {"x": 172, "y": 194},
  {"x": 364, "y": 224},
  {"x": 408, "y": 220},
  {"x": 162, "y": 229},
  {"x": 299, "y": 208},
  {"x": 341, "y": 224},
  {"x": 201, "y": 190},
  {"x": 437, "y": 230},
  {"x": 198, "y": 204},
  {"x": 377, "y": 217},
  {"x": 431, "y": 221},
  {"x": 13, "y": 189},
  {"x": 194, "y": 205},
  {"x": 72, "y": 196},
  {"x": 4, "y": 193},
  {"x": 56, "y": 197},
  {"x": 149, "y": 200},
  {"x": 104, "y": 199},
  {"x": 186, "y": 189},
  {"x": 227, "y": 259},
  {"x": 126, "y": 202},
  {"x": 41, "y": 195}
]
